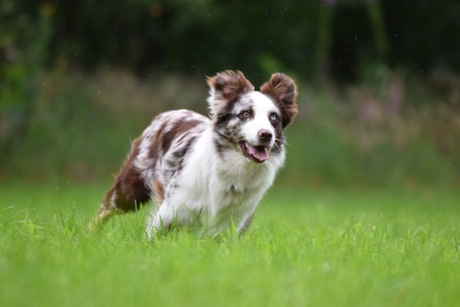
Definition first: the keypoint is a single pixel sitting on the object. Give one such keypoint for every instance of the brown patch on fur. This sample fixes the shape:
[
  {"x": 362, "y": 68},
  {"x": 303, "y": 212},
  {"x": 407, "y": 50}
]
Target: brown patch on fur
[
  {"x": 129, "y": 188},
  {"x": 127, "y": 193},
  {"x": 180, "y": 128},
  {"x": 159, "y": 192},
  {"x": 155, "y": 143},
  {"x": 163, "y": 140},
  {"x": 283, "y": 89},
  {"x": 231, "y": 84}
]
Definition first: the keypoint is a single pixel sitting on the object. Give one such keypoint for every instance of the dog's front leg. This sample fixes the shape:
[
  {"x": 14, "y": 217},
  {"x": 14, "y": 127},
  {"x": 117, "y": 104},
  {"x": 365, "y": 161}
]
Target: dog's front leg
[
  {"x": 244, "y": 223},
  {"x": 161, "y": 218}
]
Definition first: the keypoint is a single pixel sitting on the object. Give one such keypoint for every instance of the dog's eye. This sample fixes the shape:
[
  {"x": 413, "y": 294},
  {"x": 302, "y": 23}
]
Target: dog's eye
[
  {"x": 245, "y": 115},
  {"x": 274, "y": 118}
]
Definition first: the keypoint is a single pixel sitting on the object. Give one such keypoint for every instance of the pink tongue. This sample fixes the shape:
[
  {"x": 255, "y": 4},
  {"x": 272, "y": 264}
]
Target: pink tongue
[{"x": 260, "y": 153}]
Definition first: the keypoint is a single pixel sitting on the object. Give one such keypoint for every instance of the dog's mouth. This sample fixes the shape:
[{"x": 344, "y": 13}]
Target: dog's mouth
[{"x": 255, "y": 153}]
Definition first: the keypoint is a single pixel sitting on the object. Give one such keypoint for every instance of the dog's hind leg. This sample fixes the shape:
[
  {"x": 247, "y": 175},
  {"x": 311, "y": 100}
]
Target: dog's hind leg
[
  {"x": 106, "y": 210},
  {"x": 128, "y": 193},
  {"x": 124, "y": 196}
]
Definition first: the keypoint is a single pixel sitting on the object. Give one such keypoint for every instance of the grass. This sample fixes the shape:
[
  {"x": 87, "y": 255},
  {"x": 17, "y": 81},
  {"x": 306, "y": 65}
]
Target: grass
[{"x": 305, "y": 248}]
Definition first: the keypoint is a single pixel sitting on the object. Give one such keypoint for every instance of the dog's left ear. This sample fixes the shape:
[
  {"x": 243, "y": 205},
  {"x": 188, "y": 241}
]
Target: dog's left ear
[
  {"x": 284, "y": 91},
  {"x": 225, "y": 87}
]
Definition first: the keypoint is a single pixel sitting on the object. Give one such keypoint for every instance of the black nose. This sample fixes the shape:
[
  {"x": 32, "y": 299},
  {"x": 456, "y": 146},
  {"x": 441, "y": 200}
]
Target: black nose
[{"x": 265, "y": 135}]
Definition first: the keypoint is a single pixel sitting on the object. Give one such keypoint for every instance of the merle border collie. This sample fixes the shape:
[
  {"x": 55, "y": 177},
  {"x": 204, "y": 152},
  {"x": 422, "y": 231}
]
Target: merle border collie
[{"x": 208, "y": 172}]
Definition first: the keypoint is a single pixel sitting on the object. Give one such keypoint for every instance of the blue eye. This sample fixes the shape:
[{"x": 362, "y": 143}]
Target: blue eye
[{"x": 273, "y": 117}]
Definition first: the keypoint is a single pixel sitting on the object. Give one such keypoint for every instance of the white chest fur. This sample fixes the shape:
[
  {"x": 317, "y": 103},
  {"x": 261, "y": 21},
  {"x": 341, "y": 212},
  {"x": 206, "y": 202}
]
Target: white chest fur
[{"x": 213, "y": 191}]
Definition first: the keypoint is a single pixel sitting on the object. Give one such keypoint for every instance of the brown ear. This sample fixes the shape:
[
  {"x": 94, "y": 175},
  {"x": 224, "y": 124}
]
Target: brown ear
[
  {"x": 226, "y": 87},
  {"x": 230, "y": 84},
  {"x": 284, "y": 91}
]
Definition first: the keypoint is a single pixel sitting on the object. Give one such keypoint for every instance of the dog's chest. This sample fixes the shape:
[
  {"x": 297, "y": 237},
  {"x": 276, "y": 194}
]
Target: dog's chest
[
  {"x": 229, "y": 202},
  {"x": 234, "y": 189}
]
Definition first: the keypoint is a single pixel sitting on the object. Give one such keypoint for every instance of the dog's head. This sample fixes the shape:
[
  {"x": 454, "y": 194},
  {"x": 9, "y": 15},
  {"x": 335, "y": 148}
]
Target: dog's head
[{"x": 252, "y": 121}]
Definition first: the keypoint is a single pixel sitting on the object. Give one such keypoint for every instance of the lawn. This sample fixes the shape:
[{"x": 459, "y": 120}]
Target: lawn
[{"x": 305, "y": 248}]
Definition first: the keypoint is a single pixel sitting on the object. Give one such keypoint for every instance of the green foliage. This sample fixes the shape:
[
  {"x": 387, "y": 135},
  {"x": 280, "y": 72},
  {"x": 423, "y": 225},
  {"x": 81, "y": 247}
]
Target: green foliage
[
  {"x": 56, "y": 121},
  {"x": 322, "y": 156},
  {"x": 24, "y": 40},
  {"x": 69, "y": 136},
  {"x": 304, "y": 248},
  {"x": 313, "y": 39},
  {"x": 82, "y": 126}
]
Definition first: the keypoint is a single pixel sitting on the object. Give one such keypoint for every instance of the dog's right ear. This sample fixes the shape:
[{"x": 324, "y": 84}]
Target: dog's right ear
[{"x": 225, "y": 87}]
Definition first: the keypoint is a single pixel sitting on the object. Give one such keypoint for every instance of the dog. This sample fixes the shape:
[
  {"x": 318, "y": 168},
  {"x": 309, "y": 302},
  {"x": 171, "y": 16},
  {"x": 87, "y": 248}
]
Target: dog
[{"x": 208, "y": 173}]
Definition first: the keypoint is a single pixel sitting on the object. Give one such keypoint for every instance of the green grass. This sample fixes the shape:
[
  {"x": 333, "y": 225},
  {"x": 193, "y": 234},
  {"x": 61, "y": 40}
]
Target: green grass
[{"x": 305, "y": 248}]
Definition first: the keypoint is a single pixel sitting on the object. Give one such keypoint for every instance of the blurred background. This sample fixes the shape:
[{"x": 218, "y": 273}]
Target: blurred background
[{"x": 379, "y": 83}]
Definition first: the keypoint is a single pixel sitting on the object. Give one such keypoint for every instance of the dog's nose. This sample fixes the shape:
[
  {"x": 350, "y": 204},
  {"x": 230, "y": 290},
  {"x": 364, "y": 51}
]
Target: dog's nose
[{"x": 265, "y": 135}]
